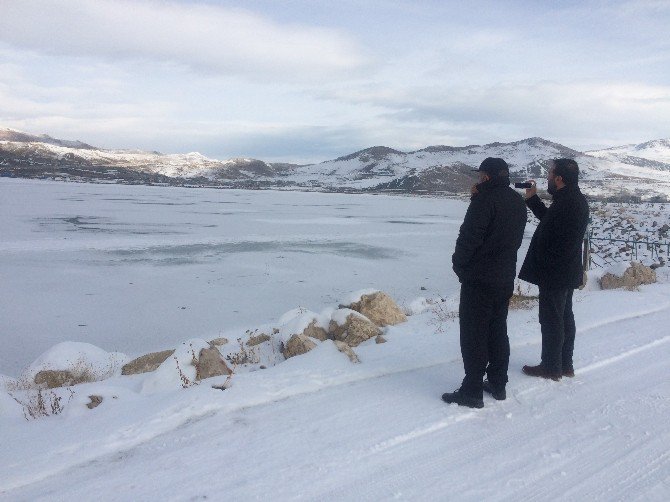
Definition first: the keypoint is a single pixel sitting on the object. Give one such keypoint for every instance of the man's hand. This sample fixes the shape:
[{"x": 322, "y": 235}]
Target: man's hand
[{"x": 532, "y": 190}]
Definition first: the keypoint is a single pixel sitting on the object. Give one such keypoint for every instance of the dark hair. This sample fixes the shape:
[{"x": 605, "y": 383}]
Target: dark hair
[{"x": 567, "y": 169}]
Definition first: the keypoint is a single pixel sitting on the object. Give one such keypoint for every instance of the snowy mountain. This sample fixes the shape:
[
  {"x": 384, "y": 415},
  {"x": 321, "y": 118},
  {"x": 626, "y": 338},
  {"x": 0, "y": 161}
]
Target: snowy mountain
[
  {"x": 639, "y": 170},
  {"x": 22, "y": 137},
  {"x": 25, "y": 155},
  {"x": 435, "y": 167},
  {"x": 652, "y": 154}
]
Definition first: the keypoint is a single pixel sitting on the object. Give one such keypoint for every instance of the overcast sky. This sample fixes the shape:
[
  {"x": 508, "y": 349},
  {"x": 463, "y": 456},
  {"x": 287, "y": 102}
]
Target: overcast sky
[{"x": 302, "y": 80}]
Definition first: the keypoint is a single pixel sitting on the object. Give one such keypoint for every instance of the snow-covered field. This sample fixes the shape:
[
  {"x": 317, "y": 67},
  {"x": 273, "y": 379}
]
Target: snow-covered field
[{"x": 123, "y": 261}]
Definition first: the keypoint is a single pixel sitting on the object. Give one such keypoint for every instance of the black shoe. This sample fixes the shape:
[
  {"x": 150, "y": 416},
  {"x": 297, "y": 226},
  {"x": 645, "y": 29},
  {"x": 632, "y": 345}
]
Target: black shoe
[
  {"x": 541, "y": 372},
  {"x": 498, "y": 394},
  {"x": 569, "y": 372},
  {"x": 462, "y": 400}
]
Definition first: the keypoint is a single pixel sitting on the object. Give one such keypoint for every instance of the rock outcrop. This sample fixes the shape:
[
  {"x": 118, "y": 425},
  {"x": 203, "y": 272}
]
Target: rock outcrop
[
  {"x": 380, "y": 309},
  {"x": 314, "y": 331},
  {"x": 210, "y": 364},
  {"x": 52, "y": 379},
  {"x": 95, "y": 402},
  {"x": 146, "y": 363},
  {"x": 257, "y": 339},
  {"x": 355, "y": 330},
  {"x": 298, "y": 345},
  {"x": 634, "y": 276}
]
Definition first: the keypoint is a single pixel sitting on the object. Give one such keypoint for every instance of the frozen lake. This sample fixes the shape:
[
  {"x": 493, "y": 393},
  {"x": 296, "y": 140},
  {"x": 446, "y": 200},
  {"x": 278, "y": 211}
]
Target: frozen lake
[{"x": 137, "y": 268}]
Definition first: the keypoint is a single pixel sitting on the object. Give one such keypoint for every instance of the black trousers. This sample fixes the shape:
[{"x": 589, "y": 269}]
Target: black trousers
[
  {"x": 484, "y": 342},
  {"x": 557, "y": 323}
]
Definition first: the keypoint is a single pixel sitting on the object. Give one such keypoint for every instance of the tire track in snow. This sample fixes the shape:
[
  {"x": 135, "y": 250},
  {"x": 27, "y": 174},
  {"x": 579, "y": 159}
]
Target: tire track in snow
[
  {"x": 623, "y": 317},
  {"x": 420, "y": 432},
  {"x": 624, "y": 355},
  {"x": 441, "y": 424}
]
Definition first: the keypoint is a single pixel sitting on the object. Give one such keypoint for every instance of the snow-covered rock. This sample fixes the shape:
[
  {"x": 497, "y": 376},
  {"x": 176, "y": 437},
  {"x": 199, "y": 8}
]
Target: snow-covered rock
[
  {"x": 70, "y": 363},
  {"x": 635, "y": 275},
  {"x": 210, "y": 364},
  {"x": 303, "y": 322},
  {"x": 146, "y": 363},
  {"x": 298, "y": 345},
  {"x": 379, "y": 308},
  {"x": 352, "y": 327}
]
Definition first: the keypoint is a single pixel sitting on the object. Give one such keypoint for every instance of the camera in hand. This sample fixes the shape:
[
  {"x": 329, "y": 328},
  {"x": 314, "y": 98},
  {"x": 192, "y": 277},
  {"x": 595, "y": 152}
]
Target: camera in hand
[{"x": 523, "y": 184}]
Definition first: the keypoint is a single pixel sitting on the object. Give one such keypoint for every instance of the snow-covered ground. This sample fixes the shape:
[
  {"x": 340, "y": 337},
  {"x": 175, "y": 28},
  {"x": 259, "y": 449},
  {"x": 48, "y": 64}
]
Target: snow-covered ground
[{"x": 314, "y": 427}]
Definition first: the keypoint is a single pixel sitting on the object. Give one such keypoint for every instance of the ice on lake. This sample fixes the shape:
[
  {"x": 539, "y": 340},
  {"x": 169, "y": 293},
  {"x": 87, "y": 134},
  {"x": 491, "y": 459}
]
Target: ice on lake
[{"x": 143, "y": 268}]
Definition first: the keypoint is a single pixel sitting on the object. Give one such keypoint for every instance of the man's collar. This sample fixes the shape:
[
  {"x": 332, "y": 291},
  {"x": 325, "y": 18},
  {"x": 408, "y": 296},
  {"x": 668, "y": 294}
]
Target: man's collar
[
  {"x": 564, "y": 191},
  {"x": 493, "y": 182}
]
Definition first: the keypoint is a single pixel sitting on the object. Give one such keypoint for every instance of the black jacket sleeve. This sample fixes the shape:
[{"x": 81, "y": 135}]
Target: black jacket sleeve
[
  {"x": 472, "y": 233},
  {"x": 537, "y": 206}
]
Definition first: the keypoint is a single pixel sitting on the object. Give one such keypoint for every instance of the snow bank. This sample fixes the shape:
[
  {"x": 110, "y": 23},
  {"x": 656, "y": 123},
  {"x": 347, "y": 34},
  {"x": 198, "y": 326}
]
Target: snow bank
[
  {"x": 9, "y": 408},
  {"x": 79, "y": 358}
]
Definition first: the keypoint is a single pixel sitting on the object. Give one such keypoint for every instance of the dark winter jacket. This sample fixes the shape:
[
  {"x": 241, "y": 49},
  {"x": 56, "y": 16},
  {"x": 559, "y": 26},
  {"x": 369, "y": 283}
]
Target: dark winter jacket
[
  {"x": 490, "y": 236},
  {"x": 554, "y": 258}
]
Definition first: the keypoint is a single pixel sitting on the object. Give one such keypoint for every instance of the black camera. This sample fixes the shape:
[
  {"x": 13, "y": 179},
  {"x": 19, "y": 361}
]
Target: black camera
[{"x": 523, "y": 184}]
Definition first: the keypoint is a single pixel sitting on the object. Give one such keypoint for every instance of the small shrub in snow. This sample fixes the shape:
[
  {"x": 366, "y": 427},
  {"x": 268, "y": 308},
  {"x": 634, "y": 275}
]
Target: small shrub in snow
[
  {"x": 186, "y": 382},
  {"x": 442, "y": 315},
  {"x": 41, "y": 403},
  {"x": 245, "y": 355},
  {"x": 522, "y": 300}
]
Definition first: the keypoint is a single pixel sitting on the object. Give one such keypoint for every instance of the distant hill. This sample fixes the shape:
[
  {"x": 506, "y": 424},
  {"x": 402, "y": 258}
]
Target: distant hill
[{"x": 641, "y": 170}]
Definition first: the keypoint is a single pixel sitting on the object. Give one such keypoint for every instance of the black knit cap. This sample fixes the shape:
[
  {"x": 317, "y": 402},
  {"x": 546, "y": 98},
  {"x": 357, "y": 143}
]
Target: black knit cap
[{"x": 492, "y": 166}]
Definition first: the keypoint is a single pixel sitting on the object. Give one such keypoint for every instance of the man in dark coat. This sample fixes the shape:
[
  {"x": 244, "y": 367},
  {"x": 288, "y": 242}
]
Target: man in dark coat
[
  {"x": 485, "y": 263},
  {"x": 554, "y": 263}
]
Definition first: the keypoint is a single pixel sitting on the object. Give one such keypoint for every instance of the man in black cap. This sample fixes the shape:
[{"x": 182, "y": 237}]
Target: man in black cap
[
  {"x": 485, "y": 263},
  {"x": 554, "y": 263}
]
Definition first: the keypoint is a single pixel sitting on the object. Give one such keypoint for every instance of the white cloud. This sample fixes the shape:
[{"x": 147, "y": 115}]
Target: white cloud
[{"x": 203, "y": 37}]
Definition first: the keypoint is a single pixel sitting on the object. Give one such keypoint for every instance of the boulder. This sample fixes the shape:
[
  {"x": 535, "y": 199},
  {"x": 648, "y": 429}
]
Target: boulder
[
  {"x": 634, "y": 276},
  {"x": 217, "y": 342},
  {"x": 146, "y": 363},
  {"x": 297, "y": 345},
  {"x": 345, "y": 349},
  {"x": 380, "y": 309},
  {"x": 210, "y": 364},
  {"x": 58, "y": 378},
  {"x": 257, "y": 339},
  {"x": 95, "y": 401},
  {"x": 355, "y": 330},
  {"x": 380, "y": 339},
  {"x": 314, "y": 331}
]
